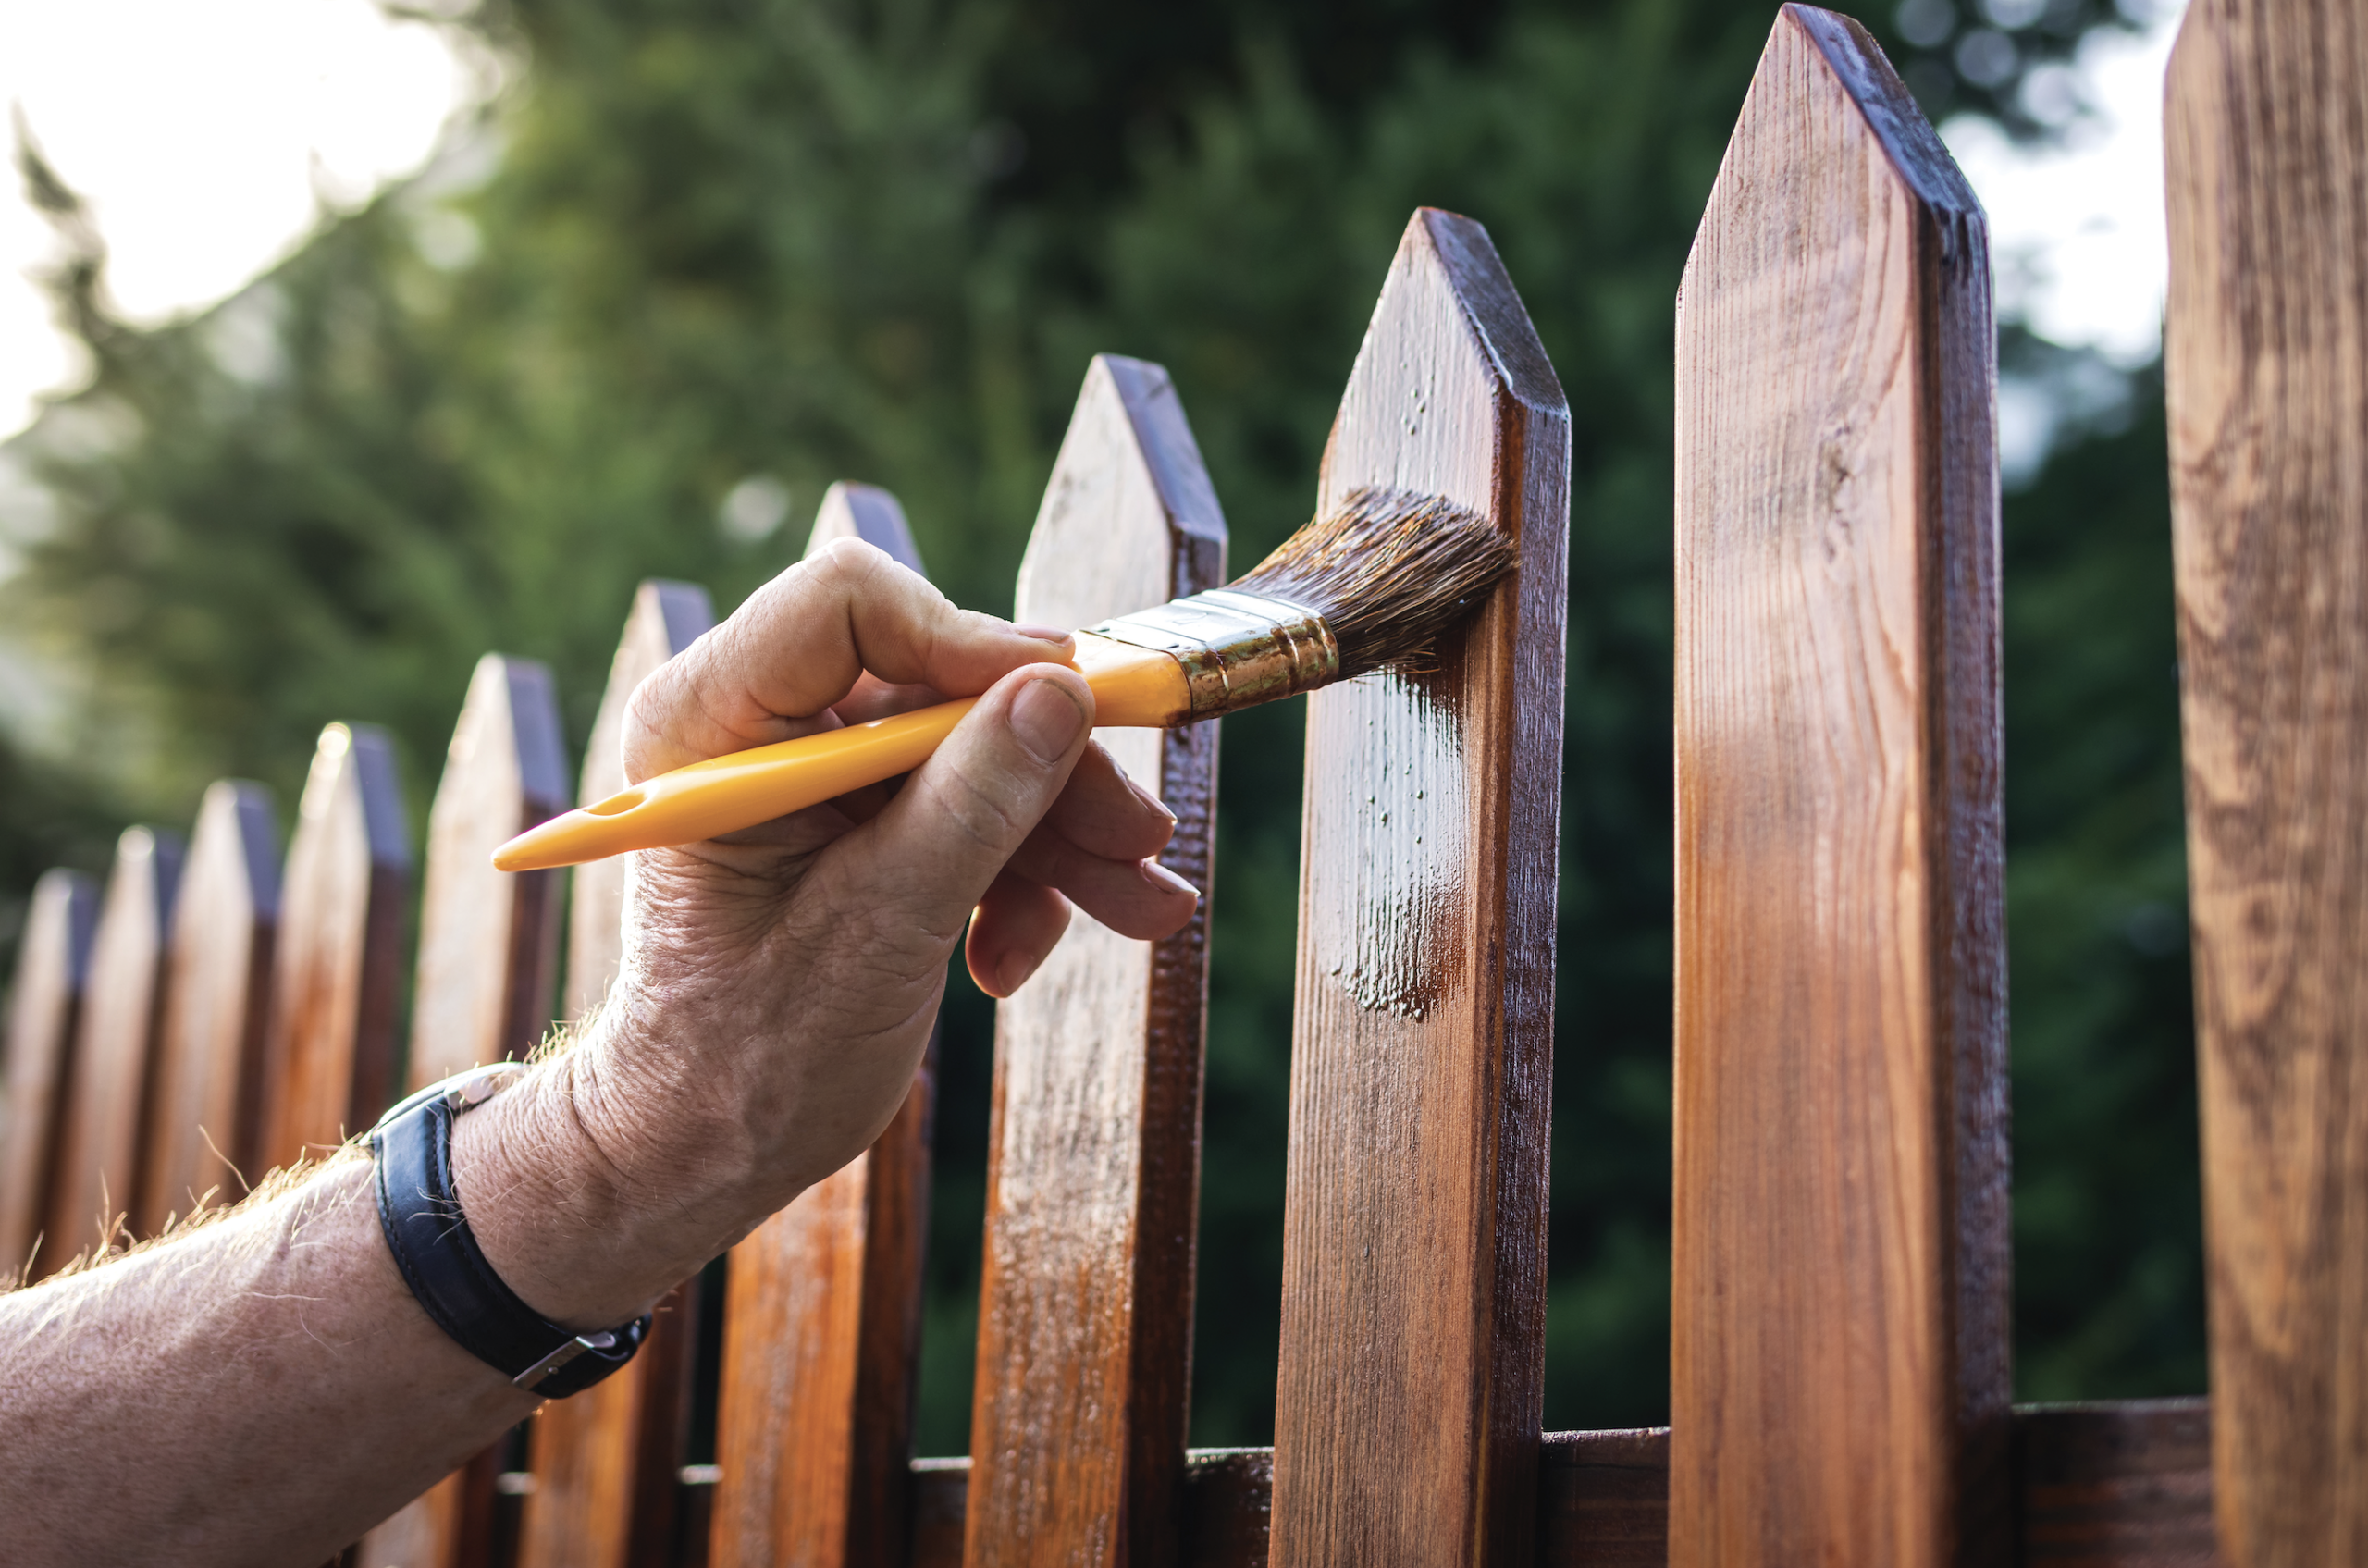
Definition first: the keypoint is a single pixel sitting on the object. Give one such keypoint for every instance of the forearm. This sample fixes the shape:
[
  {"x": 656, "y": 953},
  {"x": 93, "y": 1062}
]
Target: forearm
[{"x": 259, "y": 1391}]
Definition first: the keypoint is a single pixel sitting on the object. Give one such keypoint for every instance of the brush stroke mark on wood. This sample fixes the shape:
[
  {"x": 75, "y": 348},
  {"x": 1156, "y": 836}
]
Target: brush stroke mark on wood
[
  {"x": 218, "y": 991},
  {"x": 1839, "y": 1317},
  {"x": 1079, "y": 1405},
  {"x": 2266, "y": 356},
  {"x": 45, "y": 1015},
  {"x": 605, "y": 1461},
  {"x": 1407, "y": 1415},
  {"x": 822, "y": 1305},
  {"x": 329, "y": 1043},
  {"x": 106, "y": 1095}
]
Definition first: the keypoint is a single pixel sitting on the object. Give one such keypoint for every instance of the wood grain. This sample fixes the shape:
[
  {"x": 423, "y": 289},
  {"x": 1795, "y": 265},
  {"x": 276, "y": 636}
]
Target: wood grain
[
  {"x": 821, "y": 1319},
  {"x": 604, "y": 1461},
  {"x": 218, "y": 992},
  {"x": 330, "y": 1041},
  {"x": 488, "y": 939},
  {"x": 45, "y": 1015},
  {"x": 1412, "y": 1383},
  {"x": 1083, "y": 1391},
  {"x": 1839, "y": 1330},
  {"x": 2126, "y": 1483},
  {"x": 483, "y": 991},
  {"x": 666, "y": 618},
  {"x": 2266, "y": 356},
  {"x": 107, "y": 1094}
]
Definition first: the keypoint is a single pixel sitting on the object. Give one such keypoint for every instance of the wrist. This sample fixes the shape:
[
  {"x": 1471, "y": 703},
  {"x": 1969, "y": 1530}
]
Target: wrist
[{"x": 572, "y": 1232}]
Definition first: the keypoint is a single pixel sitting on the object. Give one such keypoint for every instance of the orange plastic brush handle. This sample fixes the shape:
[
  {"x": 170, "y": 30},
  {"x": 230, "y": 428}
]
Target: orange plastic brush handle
[{"x": 1133, "y": 687}]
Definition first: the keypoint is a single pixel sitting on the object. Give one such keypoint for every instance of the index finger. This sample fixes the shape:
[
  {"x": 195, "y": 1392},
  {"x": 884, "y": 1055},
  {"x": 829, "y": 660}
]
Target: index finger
[{"x": 801, "y": 643}]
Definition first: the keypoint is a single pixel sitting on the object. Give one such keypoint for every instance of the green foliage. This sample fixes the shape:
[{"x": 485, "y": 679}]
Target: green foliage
[
  {"x": 795, "y": 241},
  {"x": 2107, "y": 1192}
]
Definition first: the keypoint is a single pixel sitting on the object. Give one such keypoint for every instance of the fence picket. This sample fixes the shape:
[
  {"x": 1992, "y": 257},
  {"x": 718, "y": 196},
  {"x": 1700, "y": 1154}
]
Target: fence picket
[
  {"x": 822, "y": 1317},
  {"x": 605, "y": 1461},
  {"x": 210, "y": 1030},
  {"x": 1839, "y": 1329},
  {"x": 45, "y": 1015},
  {"x": 99, "y": 1152},
  {"x": 1085, "y": 1320},
  {"x": 329, "y": 1038},
  {"x": 483, "y": 992},
  {"x": 2267, "y": 174},
  {"x": 1408, "y": 1407}
]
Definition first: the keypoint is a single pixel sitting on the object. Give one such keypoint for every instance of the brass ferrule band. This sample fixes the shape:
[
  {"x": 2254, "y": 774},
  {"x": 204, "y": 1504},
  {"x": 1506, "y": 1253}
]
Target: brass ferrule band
[{"x": 1237, "y": 648}]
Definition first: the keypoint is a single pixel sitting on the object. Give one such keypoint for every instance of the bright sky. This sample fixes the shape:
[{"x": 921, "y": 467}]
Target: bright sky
[
  {"x": 209, "y": 135},
  {"x": 206, "y": 133},
  {"x": 2076, "y": 230}
]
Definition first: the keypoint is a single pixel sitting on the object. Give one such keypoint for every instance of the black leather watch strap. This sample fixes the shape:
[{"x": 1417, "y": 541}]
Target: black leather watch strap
[{"x": 419, "y": 1209}]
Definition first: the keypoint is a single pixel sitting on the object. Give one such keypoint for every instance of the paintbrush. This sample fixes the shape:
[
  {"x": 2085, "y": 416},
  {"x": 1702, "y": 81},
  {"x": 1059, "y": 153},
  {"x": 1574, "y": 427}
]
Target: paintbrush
[{"x": 1370, "y": 586}]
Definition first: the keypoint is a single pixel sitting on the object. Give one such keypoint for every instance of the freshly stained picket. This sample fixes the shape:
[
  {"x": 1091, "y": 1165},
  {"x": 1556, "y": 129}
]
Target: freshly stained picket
[
  {"x": 107, "y": 1094},
  {"x": 821, "y": 1318},
  {"x": 210, "y": 1030},
  {"x": 1412, "y": 1386},
  {"x": 2266, "y": 354},
  {"x": 1085, "y": 1320},
  {"x": 44, "y": 1014},
  {"x": 604, "y": 1461},
  {"x": 483, "y": 993},
  {"x": 1840, "y": 1316},
  {"x": 329, "y": 1038}
]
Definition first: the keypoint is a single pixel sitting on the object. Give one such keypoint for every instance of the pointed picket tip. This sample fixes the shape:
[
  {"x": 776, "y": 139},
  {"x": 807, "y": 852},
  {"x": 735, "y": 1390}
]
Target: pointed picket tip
[
  {"x": 99, "y": 1150},
  {"x": 666, "y": 618},
  {"x": 330, "y": 1036},
  {"x": 852, "y": 511},
  {"x": 487, "y": 939}
]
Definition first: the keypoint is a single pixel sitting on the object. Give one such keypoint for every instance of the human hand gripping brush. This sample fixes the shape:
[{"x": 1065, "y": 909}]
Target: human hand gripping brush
[{"x": 1370, "y": 586}]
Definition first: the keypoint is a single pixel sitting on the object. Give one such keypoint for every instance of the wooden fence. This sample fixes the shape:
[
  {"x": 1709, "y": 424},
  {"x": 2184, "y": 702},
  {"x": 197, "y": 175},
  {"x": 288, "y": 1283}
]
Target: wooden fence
[{"x": 1840, "y": 1376}]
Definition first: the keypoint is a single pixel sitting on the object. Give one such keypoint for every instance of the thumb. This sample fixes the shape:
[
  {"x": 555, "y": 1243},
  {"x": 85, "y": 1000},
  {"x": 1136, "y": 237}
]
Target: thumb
[{"x": 925, "y": 861}]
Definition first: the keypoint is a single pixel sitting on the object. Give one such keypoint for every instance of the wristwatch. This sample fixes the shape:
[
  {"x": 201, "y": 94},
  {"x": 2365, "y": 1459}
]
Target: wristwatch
[{"x": 419, "y": 1209}]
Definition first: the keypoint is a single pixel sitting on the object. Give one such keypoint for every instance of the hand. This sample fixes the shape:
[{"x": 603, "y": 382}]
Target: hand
[{"x": 778, "y": 985}]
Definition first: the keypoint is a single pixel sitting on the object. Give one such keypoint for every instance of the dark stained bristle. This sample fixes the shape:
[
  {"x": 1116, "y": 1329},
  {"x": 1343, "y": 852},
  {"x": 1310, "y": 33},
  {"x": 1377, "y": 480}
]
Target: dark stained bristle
[{"x": 1388, "y": 572}]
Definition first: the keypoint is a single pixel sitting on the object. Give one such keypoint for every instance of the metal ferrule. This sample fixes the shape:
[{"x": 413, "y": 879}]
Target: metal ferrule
[{"x": 1237, "y": 648}]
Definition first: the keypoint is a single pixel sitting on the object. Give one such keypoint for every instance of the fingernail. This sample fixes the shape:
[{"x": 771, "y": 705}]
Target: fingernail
[
  {"x": 1160, "y": 877},
  {"x": 1044, "y": 633},
  {"x": 1014, "y": 972},
  {"x": 1046, "y": 719},
  {"x": 1148, "y": 798}
]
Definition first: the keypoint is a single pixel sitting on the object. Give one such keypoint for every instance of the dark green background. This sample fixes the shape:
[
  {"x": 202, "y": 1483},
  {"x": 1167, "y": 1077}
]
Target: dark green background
[{"x": 813, "y": 241}]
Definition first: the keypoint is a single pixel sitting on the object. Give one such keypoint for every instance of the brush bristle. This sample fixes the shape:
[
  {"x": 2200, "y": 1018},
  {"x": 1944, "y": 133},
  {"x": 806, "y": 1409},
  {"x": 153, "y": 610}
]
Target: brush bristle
[{"x": 1389, "y": 572}]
